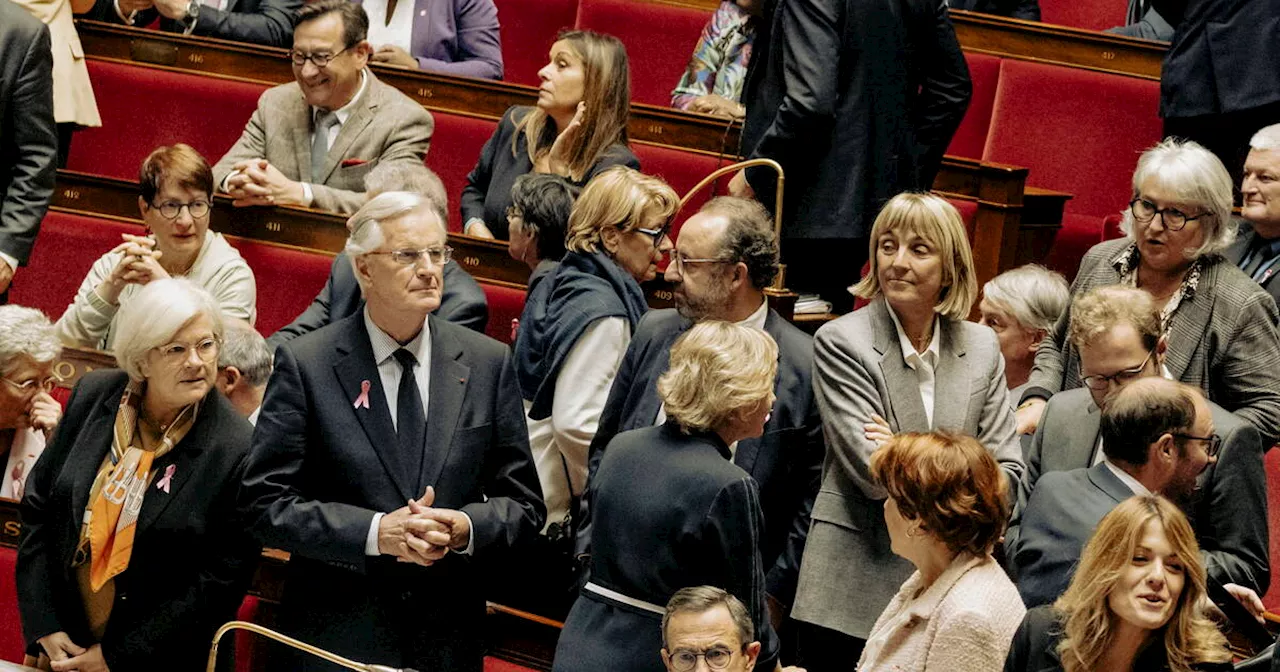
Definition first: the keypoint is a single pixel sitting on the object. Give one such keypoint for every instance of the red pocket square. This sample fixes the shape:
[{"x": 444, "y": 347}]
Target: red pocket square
[{"x": 347, "y": 163}]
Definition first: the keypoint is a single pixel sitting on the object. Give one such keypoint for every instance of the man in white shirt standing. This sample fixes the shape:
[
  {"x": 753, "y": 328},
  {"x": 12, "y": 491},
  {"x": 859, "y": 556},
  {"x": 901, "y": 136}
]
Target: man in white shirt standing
[
  {"x": 389, "y": 444},
  {"x": 312, "y": 142}
]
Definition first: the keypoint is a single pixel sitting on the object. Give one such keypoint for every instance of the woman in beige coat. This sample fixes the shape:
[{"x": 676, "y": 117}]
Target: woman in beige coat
[{"x": 73, "y": 103}]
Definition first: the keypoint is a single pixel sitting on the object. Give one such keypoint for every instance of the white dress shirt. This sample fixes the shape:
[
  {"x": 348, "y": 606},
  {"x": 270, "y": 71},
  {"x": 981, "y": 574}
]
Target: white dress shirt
[
  {"x": 398, "y": 31},
  {"x": 1130, "y": 482},
  {"x": 924, "y": 364}
]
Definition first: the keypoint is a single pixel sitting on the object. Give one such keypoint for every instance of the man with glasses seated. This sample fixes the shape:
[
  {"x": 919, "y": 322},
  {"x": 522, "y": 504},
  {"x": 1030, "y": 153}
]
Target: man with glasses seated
[
  {"x": 1117, "y": 333},
  {"x": 176, "y": 190},
  {"x": 312, "y": 142},
  {"x": 706, "y": 627},
  {"x": 28, "y": 413}
]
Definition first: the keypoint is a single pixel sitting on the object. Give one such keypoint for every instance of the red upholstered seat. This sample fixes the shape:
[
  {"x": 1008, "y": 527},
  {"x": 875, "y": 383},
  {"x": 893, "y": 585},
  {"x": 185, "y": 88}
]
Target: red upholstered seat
[
  {"x": 682, "y": 170},
  {"x": 287, "y": 279},
  {"x": 492, "y": 664},
  {"x": 659, "y": 39},
  {"x": 143, "y": 108},
  {"x": 1089, "y": 14},
  {"x": 12, "y": 645},
  {"x": 248, "y": 645},
  {"x": 1272, "y": 462},
  {"x": 971, "y": 137},
  {"x": 528, "y": 30},
  {"x": 968, "y": 213},
  {"x": 455, "y": 148},
  {"x": 1078, "y": 131},
  {"x": 65, "y": 250},
  {"x": 505, "y": 306},
  {"x": 1077, "y": 235}
]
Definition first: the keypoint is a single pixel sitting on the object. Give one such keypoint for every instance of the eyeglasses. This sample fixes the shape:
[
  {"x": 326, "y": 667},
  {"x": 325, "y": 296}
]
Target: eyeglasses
[
  {"x": 658, "y": 235},
  {"x": 1100, "y": 382},
  {"x": 1213, "y": 442},
  {"x": 320, "y": 60},
  {"x": 683, "y": 660},
  {"x": 439, "y": 256},
  {"x": 1175, "y": 220},
  {"x": 178, "y": 353},
  {"x": 31, "y": 385},
  {"x": 171, "y": 209},
  {"x": 679, "y": 260}
]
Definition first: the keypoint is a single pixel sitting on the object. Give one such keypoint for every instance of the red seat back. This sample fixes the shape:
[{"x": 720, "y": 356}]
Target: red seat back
[
  {"x": 682, "y": 170},
  {"x": 971, "y": 137},
  {"x": 287, "y": 279},
  {"x": 455, "y": 148},
  {"x": 1088, "y": 14},
  {"x": 249, "y": 647},
  {"x": 1078, "y": 131},
  {"x": 1077, "y": 235},
  {"x": 12, "y": 644},
  {"x": 659, "y": 40},
  {"x": 528, "y": 30},
  {"x": 1272, "y": 462},
  {"x": 505, "y": 306},
  {"x": 143, "y": 108},
  {"x": 65, "y": 250}
]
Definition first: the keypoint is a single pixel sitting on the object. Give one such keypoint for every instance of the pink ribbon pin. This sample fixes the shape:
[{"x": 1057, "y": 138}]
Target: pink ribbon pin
[
  {"x": 362, "y": 401},
  {"x": 167, "y": 479}
]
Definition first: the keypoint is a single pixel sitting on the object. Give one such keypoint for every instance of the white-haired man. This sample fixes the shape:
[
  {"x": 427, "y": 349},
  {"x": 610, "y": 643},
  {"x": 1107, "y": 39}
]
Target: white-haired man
[
  {"x": 1257, "y": 248},
  {"x": 244, "y": 366},
  {"x": 365, "y": 415}
]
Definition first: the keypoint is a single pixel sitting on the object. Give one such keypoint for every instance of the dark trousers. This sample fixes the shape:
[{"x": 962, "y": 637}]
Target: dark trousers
[
  {"x": 820, "y": 649},
  {"x": 65, "y": 130},
  {"x": 1226, "y": 135},
  {"x": 825, "y": 266}
]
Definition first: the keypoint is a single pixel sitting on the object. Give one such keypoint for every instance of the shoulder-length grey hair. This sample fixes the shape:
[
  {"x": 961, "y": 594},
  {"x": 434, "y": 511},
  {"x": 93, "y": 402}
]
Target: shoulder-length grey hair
[
  {"x": 1034, "y": 295},
  {"x": 155, "y": 314},
  {"x": 26, "y": 331},
  {"x": 1193, "y": 176}
]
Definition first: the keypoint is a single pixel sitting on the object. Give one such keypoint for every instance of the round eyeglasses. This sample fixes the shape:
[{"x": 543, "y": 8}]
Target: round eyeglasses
[
  {"x": 171, "y": 209},
  {"x": 319, "y": 59},
  {"x": 32, "y": 384},
  {"x": 684, "y": 660},
  {"x": 1174, "y": 219},
  {"x": 1100, "y": 382},
  {"x": 178, "y": 353}
]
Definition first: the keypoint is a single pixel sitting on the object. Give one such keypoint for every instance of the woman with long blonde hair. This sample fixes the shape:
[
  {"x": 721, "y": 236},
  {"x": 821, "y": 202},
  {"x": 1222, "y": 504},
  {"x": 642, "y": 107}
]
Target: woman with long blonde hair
[{"x": 1136, "y": 602}]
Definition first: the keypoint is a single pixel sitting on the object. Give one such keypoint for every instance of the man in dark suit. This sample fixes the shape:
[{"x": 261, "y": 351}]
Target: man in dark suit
[
  {"x": 362, "y": 416},
  {"x": 1018, "y": 9},
  {"x": 1117, "y": 331},
  {"x": 1257, "y": 248},
  {"x": 28, "y": 136},
  {"x": 725, "y": 258},
  {"x": 857, "y": 101},
  {"x": 268, "y": 22}
]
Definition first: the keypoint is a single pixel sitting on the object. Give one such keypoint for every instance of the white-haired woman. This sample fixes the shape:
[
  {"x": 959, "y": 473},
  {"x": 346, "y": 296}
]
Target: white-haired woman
[
  {"x": 670, "y": 510},
  {"x": 131, "y": 551},
  {"x": 1219, "y": 325},
  {"x": 1021, "y": 306},
  {"x": 28, "y": 414}
]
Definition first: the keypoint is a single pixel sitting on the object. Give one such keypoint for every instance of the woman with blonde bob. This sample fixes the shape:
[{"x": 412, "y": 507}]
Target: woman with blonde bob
[
  {"x": 946, "y": 510},
  {"x": 671, "y": 510},
  {"x": 1134, "y": 603},
  {"x": 577, "y": 130},
  {"x": 907, "y": 362}
]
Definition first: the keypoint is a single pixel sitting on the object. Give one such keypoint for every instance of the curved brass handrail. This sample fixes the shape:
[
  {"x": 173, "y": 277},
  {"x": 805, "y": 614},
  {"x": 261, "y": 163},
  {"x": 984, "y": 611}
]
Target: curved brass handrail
[
  {"x": 290, "y": 642},
  {"x": 777, "y": 168}
]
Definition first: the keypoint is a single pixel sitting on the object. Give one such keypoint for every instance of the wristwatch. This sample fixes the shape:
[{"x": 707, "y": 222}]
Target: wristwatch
[{"x": 193, "y": 13}]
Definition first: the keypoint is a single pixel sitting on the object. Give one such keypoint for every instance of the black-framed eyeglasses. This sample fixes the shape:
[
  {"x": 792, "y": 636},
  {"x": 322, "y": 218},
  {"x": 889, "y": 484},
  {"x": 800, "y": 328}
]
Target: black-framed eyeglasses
[
  {"x": 438, "y": 256},
  {"x": 321, "y": 60},
  {"x": 171, "y": 209},
  {"x": 658, "y": 235},
  {"x": 1174, "y": 219},
  {"x": 1213, "y": 442},
  {"x": 1100, "y": 382},
  {"x": 717, "y": 657},
  {"x": 31, "y": 385},
  {"x": 679, "y": 260}
]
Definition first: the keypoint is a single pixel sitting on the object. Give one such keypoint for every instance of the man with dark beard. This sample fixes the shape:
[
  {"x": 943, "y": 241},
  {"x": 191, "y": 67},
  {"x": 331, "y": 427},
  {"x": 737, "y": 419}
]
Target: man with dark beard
[{"x": 726, "y": 255}]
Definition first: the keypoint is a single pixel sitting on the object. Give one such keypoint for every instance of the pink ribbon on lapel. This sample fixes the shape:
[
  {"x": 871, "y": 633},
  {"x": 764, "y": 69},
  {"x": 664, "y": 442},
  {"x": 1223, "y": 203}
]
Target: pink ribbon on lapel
[
  {"x": 362, "y": 401},
  {"x": 168, "y": 478}
]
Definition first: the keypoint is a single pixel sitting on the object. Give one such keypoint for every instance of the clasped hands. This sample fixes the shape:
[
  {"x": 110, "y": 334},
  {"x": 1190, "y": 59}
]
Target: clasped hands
[
  {"x": 257, "y": 182},
  {"x": 170, "y": 9},
  {"x": 422, "y": 534}
]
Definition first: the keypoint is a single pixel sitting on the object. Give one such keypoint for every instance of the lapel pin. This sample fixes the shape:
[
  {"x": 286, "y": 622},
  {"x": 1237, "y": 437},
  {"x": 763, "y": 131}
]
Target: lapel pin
[
  {"x": 168, "y": 478},
  {"x": 362, "y": 401}
]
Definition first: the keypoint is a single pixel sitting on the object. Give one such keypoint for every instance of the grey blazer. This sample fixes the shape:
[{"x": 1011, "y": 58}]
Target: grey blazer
[
  {"x": 848, "y": 574},
  {"x": 385, "y": 126},
  {"x": 1228, "y": 509},
  {"x": 1223, "y": 340}
]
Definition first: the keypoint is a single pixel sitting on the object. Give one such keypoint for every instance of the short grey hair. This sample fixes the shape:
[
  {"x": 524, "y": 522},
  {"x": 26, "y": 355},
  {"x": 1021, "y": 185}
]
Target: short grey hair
[
  {"x": 701, "y": 599},
  {"x": 1196, "y": 177},
  {"x": 155, "y": 314},
  {"x": 411, "y": 177},
  {"x": 244, "y": 348},
  {"x": 1032, "y": 294},
  {"x": 26, "y": 331},
  {"x": 1267, "y": 138},
  {"x": 366, "y": 225}
]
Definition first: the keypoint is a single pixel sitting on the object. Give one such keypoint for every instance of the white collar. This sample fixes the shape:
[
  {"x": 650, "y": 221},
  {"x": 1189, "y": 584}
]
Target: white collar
[
  {"x": 384, "y": 346},
  {"x": 909, "y": 354},
  {"x": 344, "y": 112},
  {"x": 757, "y": 318},
  {"x": 1129, "y": 481}
]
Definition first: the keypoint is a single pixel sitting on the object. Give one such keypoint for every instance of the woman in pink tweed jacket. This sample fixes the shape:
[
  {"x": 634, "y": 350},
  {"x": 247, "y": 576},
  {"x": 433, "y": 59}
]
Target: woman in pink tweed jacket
[{"x": 946, "y": 510}]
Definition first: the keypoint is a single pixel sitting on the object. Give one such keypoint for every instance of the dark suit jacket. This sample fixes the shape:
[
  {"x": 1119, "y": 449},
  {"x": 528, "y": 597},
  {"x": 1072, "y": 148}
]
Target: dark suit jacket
[
  {"x": 462, "y": 302},
  {"x": 192, "y": 559},
  {"x": 671, "y": 512},
  {"x": 320, "y": 468},
  {"x": 268, "y": 22},
  {"x": 456, "y": 37},
  {"x": 1237, "y": 251},
  {"x": 1228, "y": 510},
  {"x": 1201, "y": 71},
  {"x": 1018, "y": 9},
  {"x": 28, "y": 136},
  {"x": 857, "y": 100},
  {"x": 786, "y": 461}
]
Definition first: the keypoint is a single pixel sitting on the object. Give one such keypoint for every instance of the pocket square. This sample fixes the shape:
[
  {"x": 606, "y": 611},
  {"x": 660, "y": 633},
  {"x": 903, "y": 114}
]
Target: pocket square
[{"x": 347, "y": 163}]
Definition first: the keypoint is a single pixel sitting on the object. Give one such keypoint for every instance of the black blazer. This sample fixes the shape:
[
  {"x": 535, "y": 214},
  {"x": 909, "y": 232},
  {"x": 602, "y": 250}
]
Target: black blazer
[
  {"x": 1018, "y": 9},
  {"x": 1244, "y": 240},
  {"x": 786, "y": 461},
  {"x": 1035, "y": 644},
  {"x": 1201, "y": 71},
  {"x": 192, "y": 559},
  {"x": 488, "y": 192},
  {"x": 320, "y": 468},
  {"x": 857, "y": 100},
  {"x": 671, "y": 512},
  {"x": 462, "y": 301},
  {"x": 268, "y": 22},
  {"x": 28, "y": 135}
]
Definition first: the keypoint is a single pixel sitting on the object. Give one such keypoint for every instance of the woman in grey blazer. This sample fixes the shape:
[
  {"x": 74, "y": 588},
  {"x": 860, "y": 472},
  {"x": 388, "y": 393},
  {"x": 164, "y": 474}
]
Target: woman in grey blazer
[
  {"x": 1219, "y": 325},
  {"x": 908, "y": 362}
]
